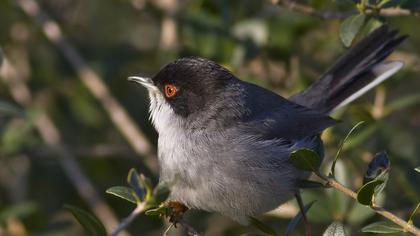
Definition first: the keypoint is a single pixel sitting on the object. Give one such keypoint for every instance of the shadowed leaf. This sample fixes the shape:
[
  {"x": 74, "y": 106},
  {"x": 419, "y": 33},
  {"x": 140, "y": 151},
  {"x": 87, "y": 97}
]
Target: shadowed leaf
[
  {"x": 350, "y": 27},
  {"x": 133, "y": 180},
  {"x": 377, "y": 168},
  {"x": 389, "y": 3},
  {"x": 335, "y": 229},
  {"x": 161, "y": 192},
  {"x": 382, "y": 227},
  {"x": 366, "y": 192},
  {"x": 262, "y": 226},
  {"x": 297, "y": 219},
  {"x": 305, "y": 159},
  {"x": 123, "y": 192},
  {"x": 89, "y": 222}
]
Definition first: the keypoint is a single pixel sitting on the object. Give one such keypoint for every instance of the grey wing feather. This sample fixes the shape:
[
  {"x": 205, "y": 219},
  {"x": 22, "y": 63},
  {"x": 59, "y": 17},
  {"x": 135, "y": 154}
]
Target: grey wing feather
[{"x": 273, "y": 116}]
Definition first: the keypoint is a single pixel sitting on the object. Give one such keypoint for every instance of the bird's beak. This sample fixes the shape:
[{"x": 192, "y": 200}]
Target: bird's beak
[{"x": 146, "y": 82}]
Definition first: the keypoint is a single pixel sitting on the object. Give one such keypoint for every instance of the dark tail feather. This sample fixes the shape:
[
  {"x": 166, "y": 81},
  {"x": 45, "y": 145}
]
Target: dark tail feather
[{"x": 356, "y": 72}]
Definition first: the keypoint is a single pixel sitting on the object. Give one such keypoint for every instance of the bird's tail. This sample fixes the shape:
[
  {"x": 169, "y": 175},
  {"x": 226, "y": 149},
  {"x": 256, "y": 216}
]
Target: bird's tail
[{"x": 356, "y": 72}]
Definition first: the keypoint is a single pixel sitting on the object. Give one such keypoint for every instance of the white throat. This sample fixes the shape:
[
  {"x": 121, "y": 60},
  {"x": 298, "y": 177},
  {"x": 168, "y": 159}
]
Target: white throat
[{"x": 162, "y": 115}]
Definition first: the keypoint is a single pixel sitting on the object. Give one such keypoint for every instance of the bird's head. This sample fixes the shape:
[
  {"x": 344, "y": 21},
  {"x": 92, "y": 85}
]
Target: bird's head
[{"x": 183, "y": 88}]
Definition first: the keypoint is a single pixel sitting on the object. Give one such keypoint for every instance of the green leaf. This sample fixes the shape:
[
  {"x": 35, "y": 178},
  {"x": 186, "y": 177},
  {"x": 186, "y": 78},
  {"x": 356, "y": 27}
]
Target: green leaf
[
  {"x": 401, "y": 103},
  {"x": 161, "y": 192},
  {"x": 123, "y": 192},
  {"x": 310, "y": 184},
  {"x": 359, "y": 214},
  {"x": 417, "y": 169},
  {"x": 335, "y": 229},
  {"x": 89, "y": 222},
  {"x": 161, "y": 210},
  {"x": 262, "y": 226},
  {"x": 138, "y": 184},
  {"x": 410, "y": 219},
  {"x": 382, "y": 227},
  {"x": 362, "y": 136},
  {"x": 366, "y": 193},
  {"x": 18, "y": 134},
  {"x": 337, "y": 155},
  {"x": 389, "y": 3},
  {"x": 305, "y": 159},
  {"x": 297, "y": 219},
  {"x": 18, "y": 210},
  {"x": 377, "y": 168},
  {"x": 350, "y": 27}
]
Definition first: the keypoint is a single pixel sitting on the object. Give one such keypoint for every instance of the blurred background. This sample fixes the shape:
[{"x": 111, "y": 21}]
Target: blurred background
[{"x": 71, "y": 125}]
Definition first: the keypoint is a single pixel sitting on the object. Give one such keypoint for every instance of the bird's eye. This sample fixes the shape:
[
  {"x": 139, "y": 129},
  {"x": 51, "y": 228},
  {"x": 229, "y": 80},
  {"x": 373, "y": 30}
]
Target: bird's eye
[{"x": 170, "y": 90}]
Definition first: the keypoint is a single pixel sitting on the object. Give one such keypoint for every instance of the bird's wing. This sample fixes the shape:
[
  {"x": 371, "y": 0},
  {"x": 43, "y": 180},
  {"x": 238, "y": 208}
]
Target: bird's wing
[{"x": 273, "y": 116}]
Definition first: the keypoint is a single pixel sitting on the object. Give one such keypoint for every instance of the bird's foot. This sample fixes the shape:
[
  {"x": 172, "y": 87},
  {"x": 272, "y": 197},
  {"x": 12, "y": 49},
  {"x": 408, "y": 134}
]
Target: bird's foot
[{"x": 175, "y": 211}]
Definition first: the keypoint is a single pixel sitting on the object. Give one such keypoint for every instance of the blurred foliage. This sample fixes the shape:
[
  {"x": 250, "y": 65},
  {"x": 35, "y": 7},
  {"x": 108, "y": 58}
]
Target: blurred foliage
[{"x": 268, "y": 45}]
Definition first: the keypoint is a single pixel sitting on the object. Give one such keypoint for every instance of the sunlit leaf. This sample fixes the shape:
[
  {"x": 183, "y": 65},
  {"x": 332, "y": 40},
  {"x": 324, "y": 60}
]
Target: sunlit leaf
[
  {"x": 335, "y": 229},
  {"x": 305, "y": 159},
  {"x": 337, "y": 155},
  {"x": 350, "y": 27},
  {"x": 417, "y": 169},
  {"x": 89, "y": 222},
  {"x": 366, "y": 193},
  {"x": 297, "y": 219},
  {"x": 123, "y": 192},
  {"x": 382, "y": 227},
  {"x": 262, "y": 226},
  {"x": 161, "y": 210}
]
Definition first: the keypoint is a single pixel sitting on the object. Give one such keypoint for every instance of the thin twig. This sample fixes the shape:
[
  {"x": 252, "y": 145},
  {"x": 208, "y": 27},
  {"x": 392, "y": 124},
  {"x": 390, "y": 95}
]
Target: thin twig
[
  {"x": 306, "y": 9},
  {"x": 404, "y": 224},
  {"x": 326, "y": 15},
  {"x": 52, "y": 137},
  {"x": 130, "y": 131},
  {"x": 302, "y": 210},
  {"x": 127, "y": 221}
]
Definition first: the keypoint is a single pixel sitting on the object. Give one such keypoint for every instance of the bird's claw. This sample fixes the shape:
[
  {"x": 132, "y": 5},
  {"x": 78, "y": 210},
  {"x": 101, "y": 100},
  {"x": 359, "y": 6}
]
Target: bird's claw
[{"x": 175, "y": 211}]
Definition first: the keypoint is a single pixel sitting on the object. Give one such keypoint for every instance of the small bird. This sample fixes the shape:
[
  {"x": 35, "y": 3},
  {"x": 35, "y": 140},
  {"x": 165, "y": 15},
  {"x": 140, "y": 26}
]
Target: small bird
[{"x": 225, "y": 143}]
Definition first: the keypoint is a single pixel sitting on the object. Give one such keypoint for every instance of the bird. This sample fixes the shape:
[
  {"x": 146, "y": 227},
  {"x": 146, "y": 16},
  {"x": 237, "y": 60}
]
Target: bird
[{"x": 224, "y": 143}]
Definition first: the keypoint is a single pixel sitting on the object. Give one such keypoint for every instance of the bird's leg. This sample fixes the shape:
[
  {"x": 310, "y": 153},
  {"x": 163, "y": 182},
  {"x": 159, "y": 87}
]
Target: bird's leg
[
  {"x": 176, "y": 211},
  {"x": 302, "y": 210}
]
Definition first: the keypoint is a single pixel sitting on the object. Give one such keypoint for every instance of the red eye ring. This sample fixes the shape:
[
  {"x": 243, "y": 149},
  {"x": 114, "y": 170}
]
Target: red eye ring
[{"x": 170, "y": 90}]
